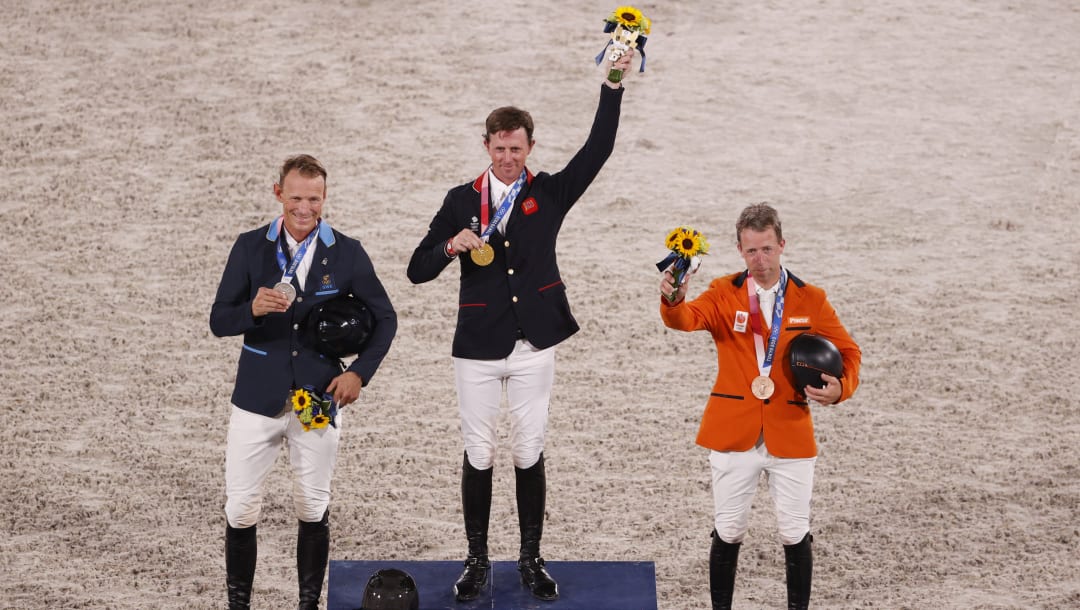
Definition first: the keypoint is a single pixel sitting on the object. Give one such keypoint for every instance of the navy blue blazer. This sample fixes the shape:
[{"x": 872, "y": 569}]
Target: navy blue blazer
[
  {"x": 273, "y": 361},
  {"x": 521, "y": 292}
]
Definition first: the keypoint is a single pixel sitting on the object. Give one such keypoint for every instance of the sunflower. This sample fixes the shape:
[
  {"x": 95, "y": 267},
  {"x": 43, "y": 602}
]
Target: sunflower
[
  {"x": 631, "y": 19},
  {"x": 300, "y": 400},
  {"x": 673, "y": 237},
  {"x": 319, "y": 421},
  {"x": 690, "y": 243}
]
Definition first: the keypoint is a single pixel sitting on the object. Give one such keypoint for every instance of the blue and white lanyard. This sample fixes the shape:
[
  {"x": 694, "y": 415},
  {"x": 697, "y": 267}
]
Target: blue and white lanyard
[
  {"x": 504, "y": 207},
  {"x": 765, "y": 354},
  {"x": 288, "y": 275}
]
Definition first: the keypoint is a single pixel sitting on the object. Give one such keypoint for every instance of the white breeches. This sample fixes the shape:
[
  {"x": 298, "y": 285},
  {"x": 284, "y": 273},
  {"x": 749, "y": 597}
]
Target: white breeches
[
  {"x": 526, "y": 374},
  {"x": 734, "y": 482},
  {"x": 254, "y": 442}
]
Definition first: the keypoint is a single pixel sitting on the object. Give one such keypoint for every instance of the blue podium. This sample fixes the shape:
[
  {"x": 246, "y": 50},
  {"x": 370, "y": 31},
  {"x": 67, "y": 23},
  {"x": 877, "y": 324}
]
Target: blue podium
[{"x": 583, "y": 585}]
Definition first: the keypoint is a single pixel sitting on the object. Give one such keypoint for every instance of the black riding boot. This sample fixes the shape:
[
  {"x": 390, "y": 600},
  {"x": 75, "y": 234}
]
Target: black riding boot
[
  {"x": 723, "y": 559},
  {"x": 241, "y": 551},
  {"x": 312, "y": 551},
  {"x": 799, "y": 559},
  {"x": 476, "y": 506},
  {"x": 531, "y": 496}
]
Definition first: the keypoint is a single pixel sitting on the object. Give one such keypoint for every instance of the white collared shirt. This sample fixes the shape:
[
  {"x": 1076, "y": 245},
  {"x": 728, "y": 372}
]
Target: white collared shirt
[
  {"x": 305, "y": 264},
  {"x": 767, "y": 300},
  {"x": 498, "y": 191}
]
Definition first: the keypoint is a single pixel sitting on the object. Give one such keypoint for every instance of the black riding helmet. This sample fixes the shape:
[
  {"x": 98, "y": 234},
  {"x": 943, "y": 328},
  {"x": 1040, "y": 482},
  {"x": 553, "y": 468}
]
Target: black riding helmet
[
  {"x": 339, "y": 327},
  {"x": 391, "y": 589},
  {"x": 811, "y": 355}
]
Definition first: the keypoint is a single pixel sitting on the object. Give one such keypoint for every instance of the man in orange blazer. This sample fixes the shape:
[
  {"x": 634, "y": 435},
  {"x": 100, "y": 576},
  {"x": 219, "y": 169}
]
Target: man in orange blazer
[{"x": 756, "y": 419}]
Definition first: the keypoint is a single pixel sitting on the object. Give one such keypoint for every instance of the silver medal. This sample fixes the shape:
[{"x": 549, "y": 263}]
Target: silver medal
[{"x": 286, "y": 289}]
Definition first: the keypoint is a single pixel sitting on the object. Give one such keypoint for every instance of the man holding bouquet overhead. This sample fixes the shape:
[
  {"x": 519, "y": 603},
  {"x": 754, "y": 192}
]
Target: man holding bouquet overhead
[
  {"x": 501, "y": 228},
  {"x": 757, "y": 418}
]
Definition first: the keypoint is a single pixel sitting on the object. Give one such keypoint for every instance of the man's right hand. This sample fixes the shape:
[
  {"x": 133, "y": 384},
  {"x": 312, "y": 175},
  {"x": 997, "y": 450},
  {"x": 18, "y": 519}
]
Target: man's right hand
[
  {"x": 465, "y": 241},
  {"x": 667, "y": 287},
  {"x": 268, "y": 300}
]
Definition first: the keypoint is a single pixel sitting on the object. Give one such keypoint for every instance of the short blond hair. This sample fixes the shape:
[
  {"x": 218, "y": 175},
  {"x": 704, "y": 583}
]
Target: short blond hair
[{"x": 758, "y": 217}]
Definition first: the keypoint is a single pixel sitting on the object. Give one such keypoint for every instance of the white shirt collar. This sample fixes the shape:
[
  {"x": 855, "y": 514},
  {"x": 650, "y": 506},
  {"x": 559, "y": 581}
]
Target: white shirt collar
[
  {"x": 291, "y": 243},
  {"x": 771, "y": 290},
  {"x": 498, "y": 189}
]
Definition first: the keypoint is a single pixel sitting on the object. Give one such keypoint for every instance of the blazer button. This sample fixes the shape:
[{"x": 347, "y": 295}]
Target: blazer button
[
  {"x": 296, "y": 327},
  {"x": 510, "y": 271},
  {"x": 514, "y": 299},
  {"x": 506, "y": 243},
  {"x": 299, "y": 299},
  {"x": 295, "y": 353}
]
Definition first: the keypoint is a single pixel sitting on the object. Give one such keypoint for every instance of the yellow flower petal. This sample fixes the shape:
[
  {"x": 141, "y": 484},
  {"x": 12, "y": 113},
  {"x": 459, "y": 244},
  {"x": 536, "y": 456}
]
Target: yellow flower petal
[
  {"x": 300, "y": 400},
  {"x": 673, "y": 237},
  {"x": 687, "y": 242},
  {"x": 629, "y": 17}
]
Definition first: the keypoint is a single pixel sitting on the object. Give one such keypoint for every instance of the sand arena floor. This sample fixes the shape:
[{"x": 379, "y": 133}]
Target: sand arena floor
[{"x": 925, "y": 157}]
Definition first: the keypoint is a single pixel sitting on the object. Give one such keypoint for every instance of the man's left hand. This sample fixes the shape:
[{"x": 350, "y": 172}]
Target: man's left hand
[
  {"x": 623, "y": 63},
  {"x": 345, "y": 388},
  {"x": 826, "y": 395}
]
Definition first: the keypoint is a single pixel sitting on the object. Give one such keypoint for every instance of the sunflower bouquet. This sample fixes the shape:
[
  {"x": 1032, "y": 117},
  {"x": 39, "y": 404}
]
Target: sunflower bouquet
[
  {"x": 629, "y": 29},
  {"x": 315, "y": 410},
  {"x": 687, "y": 247}
]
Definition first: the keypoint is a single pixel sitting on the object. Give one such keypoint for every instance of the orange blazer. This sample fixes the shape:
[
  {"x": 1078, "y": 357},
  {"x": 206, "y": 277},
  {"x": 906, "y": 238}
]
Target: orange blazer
[{"x": 734, "y": 418}]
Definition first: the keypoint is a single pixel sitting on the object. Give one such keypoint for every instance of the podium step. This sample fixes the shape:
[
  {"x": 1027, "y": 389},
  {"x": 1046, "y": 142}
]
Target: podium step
[{"x": 583, "y": 585}]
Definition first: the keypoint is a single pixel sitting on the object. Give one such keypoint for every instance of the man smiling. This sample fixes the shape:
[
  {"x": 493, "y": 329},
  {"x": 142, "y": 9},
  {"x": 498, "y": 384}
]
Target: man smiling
[
  {"x": 275, "y": 276},
  {"x": 512, "y": 311}
]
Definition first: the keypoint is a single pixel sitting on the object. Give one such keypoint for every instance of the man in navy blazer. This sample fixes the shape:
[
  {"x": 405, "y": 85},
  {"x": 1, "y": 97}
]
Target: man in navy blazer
[
  {"x": 274, "y": 277},
  {"x": 512, "y": 311}
]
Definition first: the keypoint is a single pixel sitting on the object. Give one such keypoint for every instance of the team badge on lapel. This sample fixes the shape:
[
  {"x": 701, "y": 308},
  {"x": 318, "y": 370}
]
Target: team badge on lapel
[
  {"x": 741, "y": 318},
  {"x": 326, "y": 282},
  {"x": 529, "y": 206},
  {"x": 474, "y": 224}
]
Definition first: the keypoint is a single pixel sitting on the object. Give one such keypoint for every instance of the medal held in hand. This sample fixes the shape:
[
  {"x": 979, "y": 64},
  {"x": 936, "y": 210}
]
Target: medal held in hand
[
  {"x": 286, "y": 289},
  {"x": 288, "y": 267},
  {"x": 629, "y": 30},
  {"x": 762, "y": 387},
  {"x": 483, "y": 255}
]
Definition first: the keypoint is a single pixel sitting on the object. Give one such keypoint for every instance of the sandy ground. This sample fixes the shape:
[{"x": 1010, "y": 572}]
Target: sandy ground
[{"x": 925, "y": 157}]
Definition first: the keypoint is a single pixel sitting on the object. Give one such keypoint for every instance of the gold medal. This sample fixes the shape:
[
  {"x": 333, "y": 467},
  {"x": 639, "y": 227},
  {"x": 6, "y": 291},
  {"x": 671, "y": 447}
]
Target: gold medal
[
  {"x": 483, "y": 255},
  {"x": 762, "y": 387}
]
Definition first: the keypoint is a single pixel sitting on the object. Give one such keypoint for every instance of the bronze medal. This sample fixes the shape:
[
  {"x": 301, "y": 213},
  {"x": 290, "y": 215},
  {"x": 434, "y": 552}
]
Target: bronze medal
[
  {"x": 762, "y": 387},
  {"x": 286, "y": 289},
  {"x": 483, "y": 255}
]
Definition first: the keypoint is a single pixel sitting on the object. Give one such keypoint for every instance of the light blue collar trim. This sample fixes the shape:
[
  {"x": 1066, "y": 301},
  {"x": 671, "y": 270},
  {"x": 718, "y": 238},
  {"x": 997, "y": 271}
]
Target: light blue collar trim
[{"x": 326, "y": 234}]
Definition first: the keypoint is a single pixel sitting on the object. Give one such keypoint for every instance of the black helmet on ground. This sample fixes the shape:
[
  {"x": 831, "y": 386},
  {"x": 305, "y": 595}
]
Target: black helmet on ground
[
  {"x": 811, "y": 355},
  {"x": 391, "y": 589},
  {"x": 338, "y": 328}
]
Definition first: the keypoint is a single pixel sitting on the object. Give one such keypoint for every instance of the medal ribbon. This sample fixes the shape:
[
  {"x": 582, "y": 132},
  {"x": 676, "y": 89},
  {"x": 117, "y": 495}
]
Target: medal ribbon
[
  {"x": 504, "y": 207},
  {"x": 287, "y": 276},
  {"x": 765, "y": 355}
]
